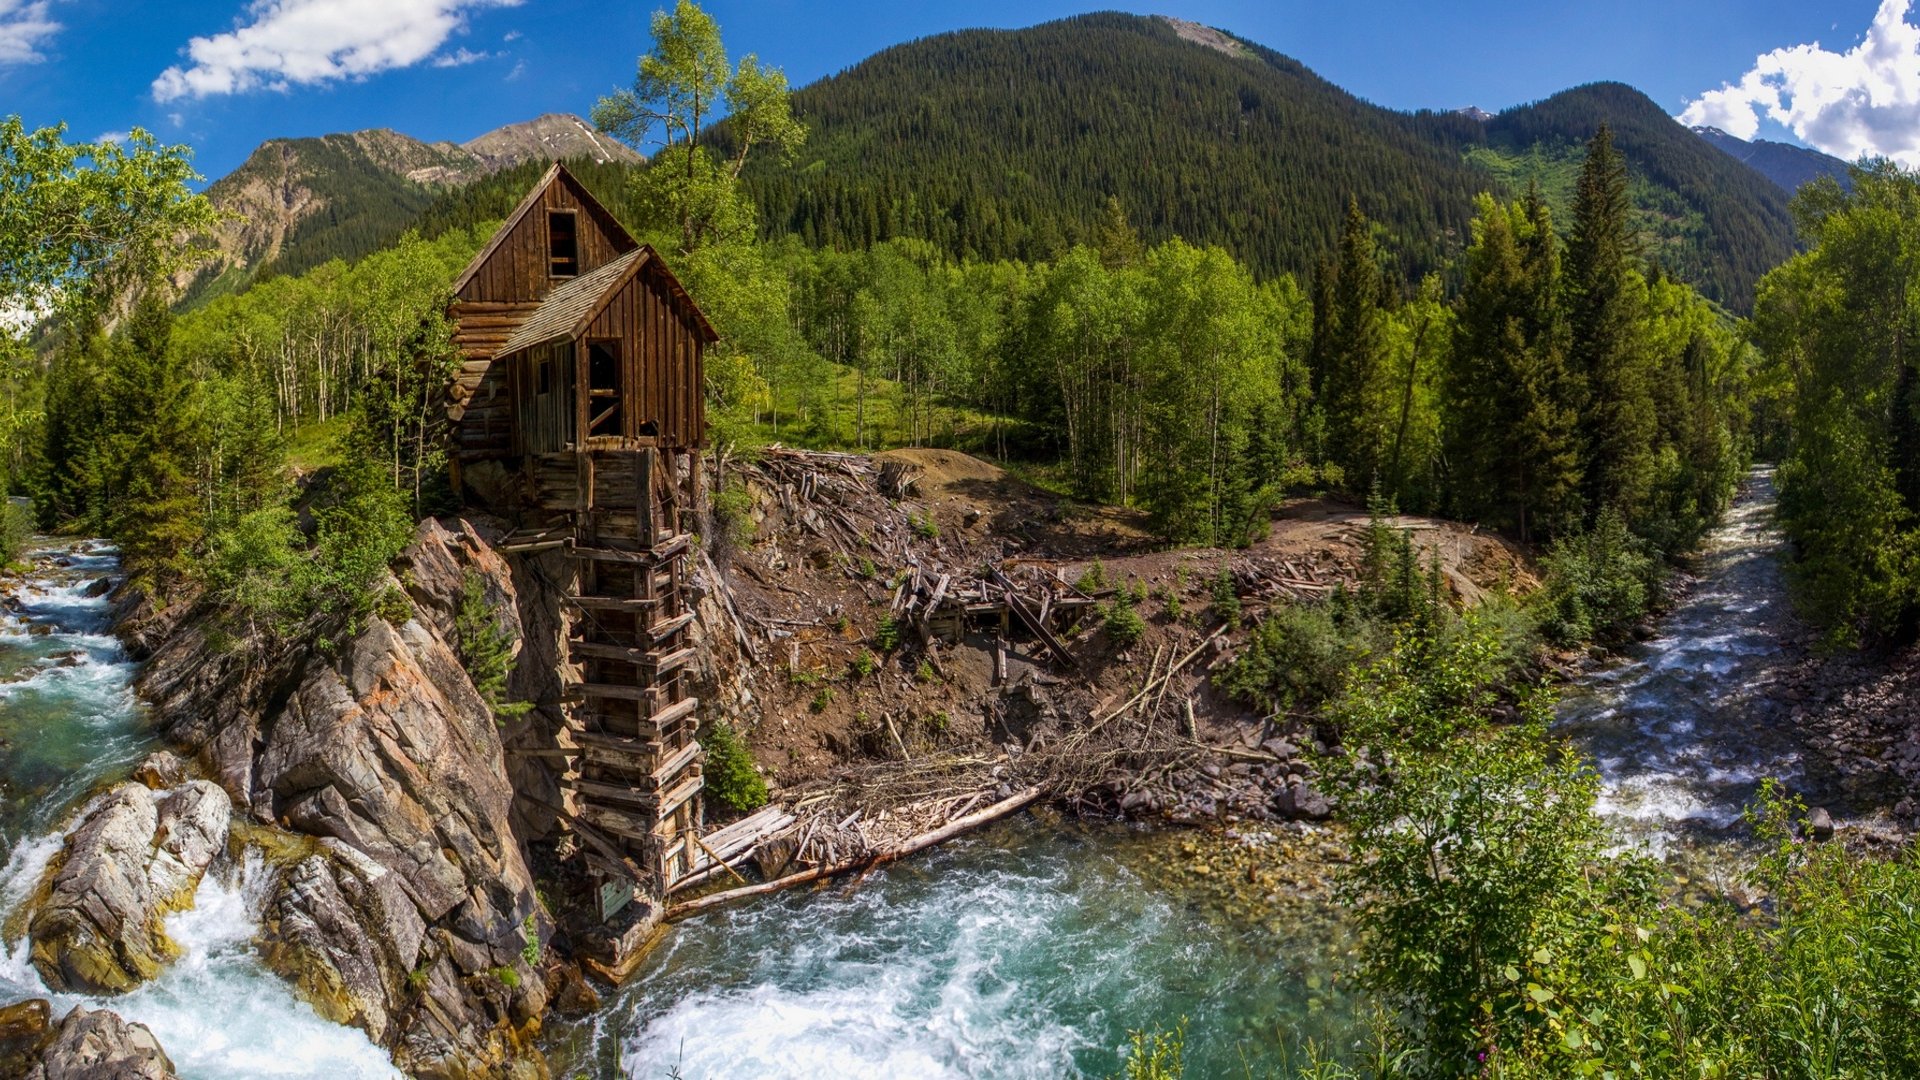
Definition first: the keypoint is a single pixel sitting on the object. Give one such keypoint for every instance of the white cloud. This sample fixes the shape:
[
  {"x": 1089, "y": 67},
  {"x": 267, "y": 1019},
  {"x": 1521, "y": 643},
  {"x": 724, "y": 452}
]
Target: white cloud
[
  {"x": 25, "y": 26},
  {"x": 519, "y": 69},
  {"x": 459, "y": 58},
  {"x": 511, "y": 35},
  {"x": 1865, "y": 100},
  {"x": 114, "y": 137},
  {"x": 286, "y": 43}
]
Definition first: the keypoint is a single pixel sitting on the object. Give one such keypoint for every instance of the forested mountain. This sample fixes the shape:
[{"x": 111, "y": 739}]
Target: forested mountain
[
  {"x": 295, "y": 203},
  {"x": 1008, "y": 143},
  {"x": 1708, "y": 219},
  {"x": 1783, "y": 163}
]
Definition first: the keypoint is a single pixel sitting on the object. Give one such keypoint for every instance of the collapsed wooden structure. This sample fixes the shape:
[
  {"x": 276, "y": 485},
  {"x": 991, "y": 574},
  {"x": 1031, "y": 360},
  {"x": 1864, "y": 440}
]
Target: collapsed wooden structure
[{"x": 581, "y": 383}]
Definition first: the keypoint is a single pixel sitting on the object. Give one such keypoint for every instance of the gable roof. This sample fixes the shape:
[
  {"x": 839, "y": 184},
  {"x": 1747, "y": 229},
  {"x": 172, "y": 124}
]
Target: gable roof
[
  {"x": 531, "y": 200},
  {"x": 570, "y": 308}
]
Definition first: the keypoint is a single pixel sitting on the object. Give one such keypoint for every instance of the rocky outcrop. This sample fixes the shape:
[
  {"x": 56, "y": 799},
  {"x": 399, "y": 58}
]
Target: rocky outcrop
[
  {"x": 136, "y": 856},
  {"x": 94, "y": 1044},
  {"x": 412, "y": 915}
]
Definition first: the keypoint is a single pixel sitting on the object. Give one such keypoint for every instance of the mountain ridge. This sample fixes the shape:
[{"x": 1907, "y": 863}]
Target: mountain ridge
[
  {"x": 1786, "y": 165},
  {"x": 297, "y": 202}
]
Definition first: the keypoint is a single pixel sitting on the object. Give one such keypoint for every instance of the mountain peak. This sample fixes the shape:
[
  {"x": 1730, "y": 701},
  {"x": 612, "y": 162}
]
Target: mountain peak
[
  {"x": 1474, "y": 112},
  {"x": 1201, "y": 34},
  {"x": 554, "y": 136}
]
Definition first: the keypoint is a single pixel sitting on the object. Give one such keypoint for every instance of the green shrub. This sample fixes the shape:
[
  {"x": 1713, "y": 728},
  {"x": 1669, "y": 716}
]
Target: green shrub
[
  {"x": 1094, "y": 579},
  {"x": 16, "y": 526},
  {"x": 1226, "y": 597},
  {"x": 1599, "y": 584},
  {"x": 863, "y": 665},
  {"x": 1297, "y": 658},
  {"x": 923, "y": 526},
  {"x": 258, "y": 566},
  {"x": 484, "y": 646},
  {"x": 731, "y": 776},
  {"x": 1122, "y": 622},
  {"x": 733, "y": 514},
  {"x": 393, "y": 605},
  {"x": 821, "y": 700},
  {"x": 1158, "y": 1055},
  {"x": 530, "y": 935},
  {"x": 886, "y": 636}
]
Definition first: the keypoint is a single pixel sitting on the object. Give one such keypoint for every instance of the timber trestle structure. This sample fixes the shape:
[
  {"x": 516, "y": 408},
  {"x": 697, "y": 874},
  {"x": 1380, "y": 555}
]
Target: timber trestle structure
[
  {"x": 637, "y": 777},
  {"x": 579, "y": 411}
]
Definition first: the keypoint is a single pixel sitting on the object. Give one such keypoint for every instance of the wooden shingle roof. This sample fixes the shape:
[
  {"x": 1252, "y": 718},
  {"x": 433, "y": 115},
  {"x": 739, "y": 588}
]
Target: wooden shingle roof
[{"x": 568, "y": 309}]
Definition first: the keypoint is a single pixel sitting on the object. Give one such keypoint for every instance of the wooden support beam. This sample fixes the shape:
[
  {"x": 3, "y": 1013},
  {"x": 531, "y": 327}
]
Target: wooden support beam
[
  {"x": 650, "y": 558},
  {"x": 611, "y": 603},
  {"x": 624, "y": 654},
  {"x": 662, "y": 631},
  {"x": 676, "y": 711}
]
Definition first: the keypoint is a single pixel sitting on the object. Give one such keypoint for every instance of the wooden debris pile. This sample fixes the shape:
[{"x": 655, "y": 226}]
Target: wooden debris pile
[{"x": 943, "y": 603}]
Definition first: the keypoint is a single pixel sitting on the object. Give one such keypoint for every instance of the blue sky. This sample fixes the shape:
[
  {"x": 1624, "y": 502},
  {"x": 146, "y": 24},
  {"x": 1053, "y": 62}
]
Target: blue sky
[{"x": 223, "y": 75}]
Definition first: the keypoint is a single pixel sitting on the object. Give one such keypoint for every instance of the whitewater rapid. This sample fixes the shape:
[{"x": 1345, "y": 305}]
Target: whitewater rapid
[
  {"x": 69, "y": 723},
  {"x": 1684, "y": 728}
]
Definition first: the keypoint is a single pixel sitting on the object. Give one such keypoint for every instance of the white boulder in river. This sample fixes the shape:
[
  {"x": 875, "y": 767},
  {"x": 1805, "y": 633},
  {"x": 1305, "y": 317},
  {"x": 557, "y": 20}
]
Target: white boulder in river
[
  {"x": 136, "y": 857},
  {"x": 98, "y": 1045}
]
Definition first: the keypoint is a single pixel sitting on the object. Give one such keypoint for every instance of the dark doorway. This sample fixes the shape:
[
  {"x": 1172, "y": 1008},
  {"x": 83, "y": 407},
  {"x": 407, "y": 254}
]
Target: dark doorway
[{"x": 604, "y": 389}]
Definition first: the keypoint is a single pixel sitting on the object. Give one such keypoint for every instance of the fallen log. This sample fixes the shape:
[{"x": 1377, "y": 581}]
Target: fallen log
[{"x": 921, "y": 842}]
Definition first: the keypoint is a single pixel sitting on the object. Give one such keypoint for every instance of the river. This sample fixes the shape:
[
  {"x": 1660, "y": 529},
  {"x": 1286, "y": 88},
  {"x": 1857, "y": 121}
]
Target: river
[
  {"x": 1027, "y": 950},
  {"x": 69, "y": 723}
]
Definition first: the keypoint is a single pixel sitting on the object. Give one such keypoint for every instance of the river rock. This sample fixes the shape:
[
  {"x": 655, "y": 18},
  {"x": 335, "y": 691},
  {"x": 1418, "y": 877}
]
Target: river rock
[
  {"x": 1820, "y": 823},
  {"x": 160, "y": 770},
  {"x": 413, "y": 920},
  {"x": 136, "y": 857},
  {"x": 95, "y": 1044},
  {"x": 98, "y": 589},
  {"x": 27, "y": 1020}
]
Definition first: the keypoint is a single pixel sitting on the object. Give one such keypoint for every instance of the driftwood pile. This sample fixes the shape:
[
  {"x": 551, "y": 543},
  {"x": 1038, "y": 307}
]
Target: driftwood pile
[
  {"x": 814, "y": 842},
  {"x": 858, "y": 508}
]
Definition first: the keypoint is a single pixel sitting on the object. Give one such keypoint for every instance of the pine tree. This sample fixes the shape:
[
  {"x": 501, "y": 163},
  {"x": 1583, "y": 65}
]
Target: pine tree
[
  {"x": 155, "y": 513},
  {"x": 1115, "y": 238},
  {"x": 1617, "y": 417},
  {"x": 1355, "y": 355}
]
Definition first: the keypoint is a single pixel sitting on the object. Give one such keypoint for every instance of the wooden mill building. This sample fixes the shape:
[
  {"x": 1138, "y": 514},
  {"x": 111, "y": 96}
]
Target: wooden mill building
[{"x": 581, "y": 383}]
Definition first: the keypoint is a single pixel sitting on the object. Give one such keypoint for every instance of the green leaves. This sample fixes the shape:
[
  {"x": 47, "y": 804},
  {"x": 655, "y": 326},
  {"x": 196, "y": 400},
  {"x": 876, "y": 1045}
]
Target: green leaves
[{"x": 81, "y": 222}]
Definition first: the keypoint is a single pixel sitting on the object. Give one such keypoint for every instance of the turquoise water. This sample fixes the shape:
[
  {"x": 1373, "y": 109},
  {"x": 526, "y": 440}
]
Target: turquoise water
[
  {"x": 70, "y": 725},
  {"x": 1027, "y": 950}
]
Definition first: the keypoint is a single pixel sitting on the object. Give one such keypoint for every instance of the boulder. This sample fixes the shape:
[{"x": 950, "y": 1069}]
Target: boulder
[
  {"x": 1820, "y": 823},
  {"x": 98, "y": 1045},
  {"x": 137, "y": 856},
  {"x": 25, "y": 1027},
  {"x": 160, "y": 770}
]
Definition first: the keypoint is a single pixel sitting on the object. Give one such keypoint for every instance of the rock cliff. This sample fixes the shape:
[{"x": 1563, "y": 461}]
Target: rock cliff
[{"x": 407, "y": 906}]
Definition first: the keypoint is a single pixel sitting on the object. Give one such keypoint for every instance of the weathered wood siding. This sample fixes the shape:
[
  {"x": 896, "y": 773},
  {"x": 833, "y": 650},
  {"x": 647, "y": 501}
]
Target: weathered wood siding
[
  {"x": 516, "y": 272},
  {"x": 662, "y": 352},
  {"x": 545, "y": 420}
]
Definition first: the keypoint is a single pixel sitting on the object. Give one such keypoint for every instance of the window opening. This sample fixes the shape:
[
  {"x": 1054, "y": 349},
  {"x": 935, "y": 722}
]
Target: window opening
[
  {"x": 603, "y": 389},
  {"x": 563, "y": 244}
]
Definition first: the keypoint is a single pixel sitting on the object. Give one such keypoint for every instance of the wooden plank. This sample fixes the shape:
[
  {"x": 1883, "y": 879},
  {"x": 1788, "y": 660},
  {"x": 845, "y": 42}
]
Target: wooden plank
[
  {"x": 662, "y": 663},
  {"x": 665, "y": 630},
  {"x": 671, "y": 767},
  {"x": 610, "y": 603},
  {"x": 624, "y": 654},
  {"x": 652, "y": 557},
  {"x": 679, "y": 709},
  {"x": 609, "y": 690}
]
